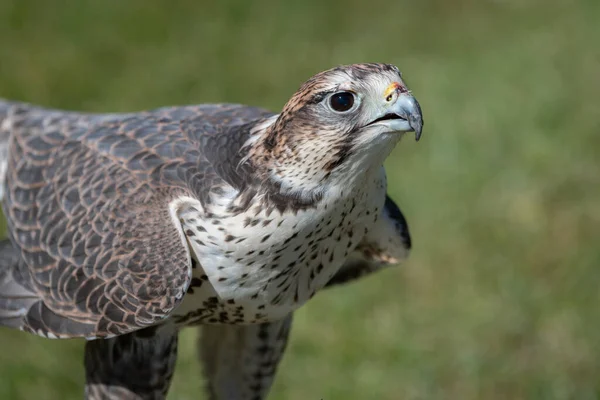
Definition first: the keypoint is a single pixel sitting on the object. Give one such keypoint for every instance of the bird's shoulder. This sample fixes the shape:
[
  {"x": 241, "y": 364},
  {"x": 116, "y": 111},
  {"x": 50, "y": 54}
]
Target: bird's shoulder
[
  {"x": 191, "y": 122},
  {"x": 194, "y": 147}
]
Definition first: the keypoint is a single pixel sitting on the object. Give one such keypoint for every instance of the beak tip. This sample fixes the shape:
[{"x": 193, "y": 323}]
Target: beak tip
[{"x": 417, "y": 125}]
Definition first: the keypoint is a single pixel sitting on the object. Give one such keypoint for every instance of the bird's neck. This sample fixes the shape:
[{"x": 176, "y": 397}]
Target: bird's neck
[{"x": 307, "y": 167}]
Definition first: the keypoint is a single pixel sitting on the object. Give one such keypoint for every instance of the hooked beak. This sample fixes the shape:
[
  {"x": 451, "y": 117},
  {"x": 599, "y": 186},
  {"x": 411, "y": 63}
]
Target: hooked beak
[{"x": 403, "y": 114}]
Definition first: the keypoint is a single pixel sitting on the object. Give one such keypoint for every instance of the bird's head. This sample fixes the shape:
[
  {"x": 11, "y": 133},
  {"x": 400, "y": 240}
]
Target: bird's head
[{"x": 340, "y": 123}]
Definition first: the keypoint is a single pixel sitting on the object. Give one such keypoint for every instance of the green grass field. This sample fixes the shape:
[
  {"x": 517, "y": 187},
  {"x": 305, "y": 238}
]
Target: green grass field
[{"x": 500, "y": 298}]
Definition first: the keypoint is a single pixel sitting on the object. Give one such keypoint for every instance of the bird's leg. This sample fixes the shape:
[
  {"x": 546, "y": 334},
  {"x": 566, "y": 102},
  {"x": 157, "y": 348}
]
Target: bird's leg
[
  {"x": 137, "y": 366},
  {"x": 240, "y": 361}
]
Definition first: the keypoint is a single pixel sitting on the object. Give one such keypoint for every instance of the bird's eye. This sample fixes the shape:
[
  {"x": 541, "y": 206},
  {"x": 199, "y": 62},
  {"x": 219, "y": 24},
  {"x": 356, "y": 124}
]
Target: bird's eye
[{"x": 342, "y": 101}]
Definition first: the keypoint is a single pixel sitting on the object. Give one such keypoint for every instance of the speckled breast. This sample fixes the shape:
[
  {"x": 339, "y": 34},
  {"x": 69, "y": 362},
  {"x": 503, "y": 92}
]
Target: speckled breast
[{"x": 255, "y": 267}]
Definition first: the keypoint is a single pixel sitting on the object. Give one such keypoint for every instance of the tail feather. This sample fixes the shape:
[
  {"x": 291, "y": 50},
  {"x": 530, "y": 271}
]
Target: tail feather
[{"x": 16, "y": 298}]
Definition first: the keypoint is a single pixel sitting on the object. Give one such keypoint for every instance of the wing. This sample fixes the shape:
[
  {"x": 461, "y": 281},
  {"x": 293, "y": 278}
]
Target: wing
[
  {"x": 240, "y": 362},
  {"x": 87, "y": 207},
  {"x": 388, "y": 243}
]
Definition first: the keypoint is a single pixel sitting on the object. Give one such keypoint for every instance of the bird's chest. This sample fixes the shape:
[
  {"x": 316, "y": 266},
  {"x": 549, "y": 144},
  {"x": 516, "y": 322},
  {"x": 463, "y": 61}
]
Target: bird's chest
[{"x": 257, "y": 267}]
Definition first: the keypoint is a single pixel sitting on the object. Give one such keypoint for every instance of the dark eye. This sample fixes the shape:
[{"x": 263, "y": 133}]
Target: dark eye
[{"x": 342, "y": 101}]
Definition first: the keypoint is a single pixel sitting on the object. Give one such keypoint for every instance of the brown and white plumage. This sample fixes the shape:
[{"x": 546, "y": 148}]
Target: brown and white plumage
[{"x": 127, "y": 226}]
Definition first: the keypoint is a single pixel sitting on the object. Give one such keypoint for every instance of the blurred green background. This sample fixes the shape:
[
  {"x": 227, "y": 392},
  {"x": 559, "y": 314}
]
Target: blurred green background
[{"x": 500, "y": 298}]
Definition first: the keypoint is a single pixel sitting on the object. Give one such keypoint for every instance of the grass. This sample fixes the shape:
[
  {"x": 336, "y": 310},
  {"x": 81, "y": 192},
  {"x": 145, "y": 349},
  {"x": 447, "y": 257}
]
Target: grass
[{"x": 500, "y": 298}]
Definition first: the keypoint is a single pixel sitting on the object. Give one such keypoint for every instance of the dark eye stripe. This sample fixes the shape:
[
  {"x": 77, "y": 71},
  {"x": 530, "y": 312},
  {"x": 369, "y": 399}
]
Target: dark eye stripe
[{"x": 317, "y": 98}]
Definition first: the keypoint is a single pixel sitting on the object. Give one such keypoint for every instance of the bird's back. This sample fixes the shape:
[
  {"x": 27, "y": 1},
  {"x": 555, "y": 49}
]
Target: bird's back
[{"x": 83, "y": 193}]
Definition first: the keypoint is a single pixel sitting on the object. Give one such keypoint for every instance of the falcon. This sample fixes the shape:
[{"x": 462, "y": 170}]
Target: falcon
[{"x": 125, "y": 228}]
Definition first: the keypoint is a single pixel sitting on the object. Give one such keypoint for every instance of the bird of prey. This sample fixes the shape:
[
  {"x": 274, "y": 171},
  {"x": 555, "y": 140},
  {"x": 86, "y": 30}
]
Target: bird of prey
[{"x": 125, "y": 228}]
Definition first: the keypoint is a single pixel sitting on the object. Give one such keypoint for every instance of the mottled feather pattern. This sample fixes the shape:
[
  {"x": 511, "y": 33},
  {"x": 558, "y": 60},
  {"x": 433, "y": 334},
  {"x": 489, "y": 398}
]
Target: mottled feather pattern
[
  {"x": 16, "y": 294},
  {"x": 87, "y": 207},
  {"x": 128, "y": 227},
  {"x": 387, "y": 244}
]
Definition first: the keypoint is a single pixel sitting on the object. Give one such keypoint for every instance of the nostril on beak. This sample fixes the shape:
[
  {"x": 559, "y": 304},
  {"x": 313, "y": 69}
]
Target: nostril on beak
[{"x": 391, "y": 92}]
